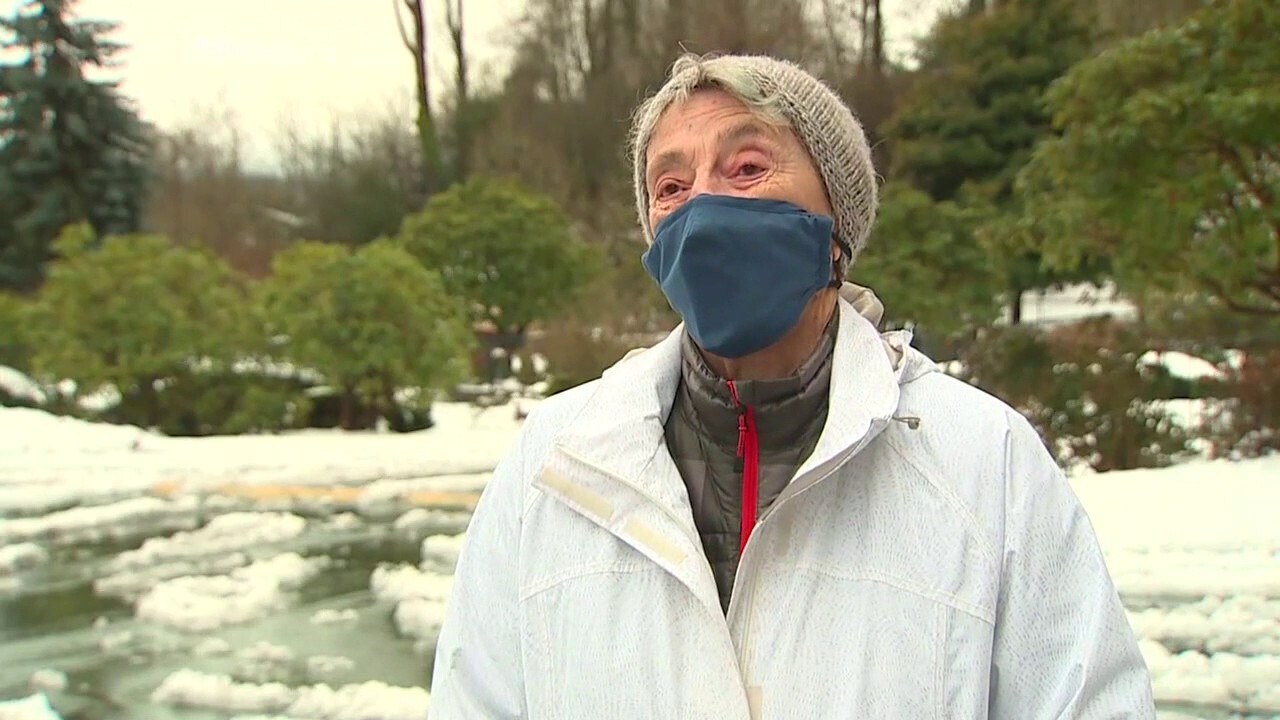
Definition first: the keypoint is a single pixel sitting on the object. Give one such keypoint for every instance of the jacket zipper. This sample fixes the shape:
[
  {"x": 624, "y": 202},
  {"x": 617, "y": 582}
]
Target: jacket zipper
[{"x": 748, "y": 464}]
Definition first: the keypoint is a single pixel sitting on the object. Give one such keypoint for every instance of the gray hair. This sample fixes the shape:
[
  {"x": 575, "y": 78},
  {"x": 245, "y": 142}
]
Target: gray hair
[{"x": 783, "y": 95}]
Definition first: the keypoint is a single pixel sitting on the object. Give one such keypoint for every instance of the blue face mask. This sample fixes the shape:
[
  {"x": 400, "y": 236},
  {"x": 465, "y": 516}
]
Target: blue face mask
[{"x": 740, "y": 271}]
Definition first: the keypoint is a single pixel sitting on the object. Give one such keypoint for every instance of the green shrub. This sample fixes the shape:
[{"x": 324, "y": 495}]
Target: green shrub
[
  {"x": 135, "y": 313},
  {"x": 220, "y": 403},
  {"x": 15, "y": 341},
  {"x": 370, "y": 321}
]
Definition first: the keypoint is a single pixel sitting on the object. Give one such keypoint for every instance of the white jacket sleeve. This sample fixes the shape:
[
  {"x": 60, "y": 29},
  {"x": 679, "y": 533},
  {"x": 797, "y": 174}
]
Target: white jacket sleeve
[
  {"x": 1063, "y": 645},
  {"x": 477, "y": 671}
]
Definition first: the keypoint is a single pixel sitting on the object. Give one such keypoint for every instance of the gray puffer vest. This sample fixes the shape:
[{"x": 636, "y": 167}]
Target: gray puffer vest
[{"x": 703, "y": 435}]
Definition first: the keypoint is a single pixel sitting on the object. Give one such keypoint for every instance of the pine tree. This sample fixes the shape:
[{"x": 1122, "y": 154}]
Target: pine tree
[
  {"x": 976, "y": 112},
  {"x": 72, "y": 148}
]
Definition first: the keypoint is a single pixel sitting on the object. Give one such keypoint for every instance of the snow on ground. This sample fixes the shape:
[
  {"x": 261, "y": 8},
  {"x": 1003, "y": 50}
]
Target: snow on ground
[
  {"x": 444, "y": 548},
  {"x": 420, "y": 599},
  {"x": 44, "y": 459},
  {"x": 329, "y": 616},
  {"x": 223, "y": 534},
  {"x": 1194, "y": 551},
  {"x": 48, "y": 679},
  {"x": 99, "y": 522},
  {"x": 1182, "y": 365},
  {"x": 18, "y": 385},
  {"x": 190, "y": 688},
  {"x": 1208, "y": 505},
  {"x": 35, "y": 707},
  {"x": 21, "y": 556},
  {"x": 197, "y": 603},
  {"x": 1072, "y": 303}
]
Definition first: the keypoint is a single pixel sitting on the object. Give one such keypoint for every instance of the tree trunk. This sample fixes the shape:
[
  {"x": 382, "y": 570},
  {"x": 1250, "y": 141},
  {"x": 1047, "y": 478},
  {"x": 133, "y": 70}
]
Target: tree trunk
[
  {"x": 150, "y": 401},
  {"x": 1015, "y": 307},
  {"x": 347, "y": 409},
  {"x": 877, "y": 38},
  {"x": 461, "y": 115},
  {"x": 415, "y": 41}
]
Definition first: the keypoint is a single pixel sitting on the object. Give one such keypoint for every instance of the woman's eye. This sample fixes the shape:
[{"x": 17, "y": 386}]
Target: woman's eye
[
  {"x": 750, "y": 169},
  {"x": 666, "y": 189}
]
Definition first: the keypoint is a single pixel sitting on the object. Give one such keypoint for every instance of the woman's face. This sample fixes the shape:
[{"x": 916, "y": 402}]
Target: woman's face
[{"x": 712, "y": 143}]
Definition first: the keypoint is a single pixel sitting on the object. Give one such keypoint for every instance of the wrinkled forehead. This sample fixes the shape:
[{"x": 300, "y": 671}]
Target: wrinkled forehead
[{"x": 708, "y": 112}]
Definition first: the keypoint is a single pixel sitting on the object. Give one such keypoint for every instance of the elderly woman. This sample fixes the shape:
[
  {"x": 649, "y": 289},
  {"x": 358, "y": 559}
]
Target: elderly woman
[{"x": 778, "y": 512}]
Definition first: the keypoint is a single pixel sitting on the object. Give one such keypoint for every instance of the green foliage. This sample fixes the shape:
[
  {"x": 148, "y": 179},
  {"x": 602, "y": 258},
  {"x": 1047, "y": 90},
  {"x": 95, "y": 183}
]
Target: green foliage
[
  {"x": 371, "y": 321},
  {"x": 71, "y": 149},
  {"x": 1169, "y": 160},
  {"x": 924, "y": 265},
  {"x": 507, "y": 251},
  {"x": 135, "y": 312},
  {"x": 976, "y": 111},
  {"x": 218, "y": 401},
  {"x": 1198, "y": 323},
  {"x": 15, "y": 343},
  {"x": 1085, "y": 391}
]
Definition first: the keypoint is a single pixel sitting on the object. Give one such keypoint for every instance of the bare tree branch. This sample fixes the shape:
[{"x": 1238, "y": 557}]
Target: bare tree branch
[
  {"x": 404, "y": 33},
  {"x": 1219, "y": 291}
]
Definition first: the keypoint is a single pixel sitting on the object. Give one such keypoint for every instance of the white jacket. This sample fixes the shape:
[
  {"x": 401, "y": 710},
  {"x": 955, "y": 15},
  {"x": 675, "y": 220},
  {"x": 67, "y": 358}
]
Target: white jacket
[{"x": 928, "y": 560}]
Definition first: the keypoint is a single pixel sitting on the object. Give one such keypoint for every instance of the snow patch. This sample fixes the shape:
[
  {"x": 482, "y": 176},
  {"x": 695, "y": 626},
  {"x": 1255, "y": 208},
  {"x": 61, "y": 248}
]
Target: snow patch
[
  {"x": 27, "y": 430},
  {"x": 1181, "y": 365},
  {"x": 206, "y": 602},
  {"x": 48, "y": 679},
  {"x": 332, "y": 617},
  {"x": 191, "y": 688},
  {"x": 35, "y": 707},
  {"x": 17, "y": 384},
  {"x": 83, "y": 524},
  {"x": 329, "y": 665},
  {"x": 444, "y": 548},
  {"x": 1244, "y": 625},
  {"x": 223, "y": 534},
  {"x": 421, "y": 599},
  {"x": 21, "y": 556}
]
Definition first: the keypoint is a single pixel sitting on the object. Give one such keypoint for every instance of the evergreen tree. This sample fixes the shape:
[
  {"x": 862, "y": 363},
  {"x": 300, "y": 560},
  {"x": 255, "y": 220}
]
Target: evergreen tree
[
  {"x": 976, "y": 112},
  {"x": 1168, "y": 161},
  {"x": 72, "y": 148}
]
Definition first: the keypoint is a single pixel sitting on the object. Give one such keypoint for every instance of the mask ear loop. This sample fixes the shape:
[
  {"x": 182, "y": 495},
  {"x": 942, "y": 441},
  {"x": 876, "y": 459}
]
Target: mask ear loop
[{"x": 836, "y": 281}]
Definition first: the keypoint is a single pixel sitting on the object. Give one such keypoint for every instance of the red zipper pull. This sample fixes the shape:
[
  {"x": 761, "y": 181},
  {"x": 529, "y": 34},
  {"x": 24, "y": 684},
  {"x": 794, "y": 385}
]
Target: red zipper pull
[{"x": 742, "y": 419}]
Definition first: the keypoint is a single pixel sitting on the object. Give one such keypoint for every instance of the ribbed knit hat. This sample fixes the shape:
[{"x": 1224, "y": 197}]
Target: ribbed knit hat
[{"x": 824, "y": 124}]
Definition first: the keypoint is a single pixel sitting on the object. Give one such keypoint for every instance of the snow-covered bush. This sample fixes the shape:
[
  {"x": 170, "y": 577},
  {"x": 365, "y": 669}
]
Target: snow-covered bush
[
  {"x": 1084, "y": 388},
  {"x": 1248, "y": 423}
]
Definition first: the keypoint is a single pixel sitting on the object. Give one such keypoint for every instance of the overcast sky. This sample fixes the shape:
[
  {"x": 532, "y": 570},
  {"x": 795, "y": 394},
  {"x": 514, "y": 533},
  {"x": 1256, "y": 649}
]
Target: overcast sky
[{"x": 266, "y": 60}]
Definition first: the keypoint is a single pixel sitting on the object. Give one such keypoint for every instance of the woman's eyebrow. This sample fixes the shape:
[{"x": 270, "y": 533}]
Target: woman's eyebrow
[
  {"x": 742, "y": 131},
  {"x": 737, "y": 133}
]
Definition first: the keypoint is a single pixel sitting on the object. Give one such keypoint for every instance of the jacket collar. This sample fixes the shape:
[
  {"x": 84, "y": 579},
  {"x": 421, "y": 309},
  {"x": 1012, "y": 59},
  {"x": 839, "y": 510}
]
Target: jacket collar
[
  {"x": 786, "y": 410},
  {"x": 620, "y": 430},
  {"x": 611, "y": 464}
]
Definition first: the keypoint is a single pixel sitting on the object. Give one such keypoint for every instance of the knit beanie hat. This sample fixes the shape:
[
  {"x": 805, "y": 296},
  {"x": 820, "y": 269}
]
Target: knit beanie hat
[{"x": 825, "y": 126}]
